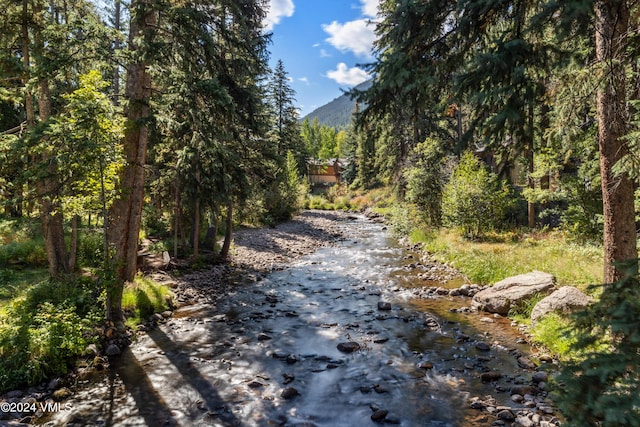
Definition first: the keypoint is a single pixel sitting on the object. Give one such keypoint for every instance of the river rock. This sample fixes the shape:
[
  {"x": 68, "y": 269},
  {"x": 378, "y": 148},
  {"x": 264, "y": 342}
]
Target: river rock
[
  {"x": 522, "y": 421},
  {"x": 564, "y": 300},
  {"x": 425, "y": 365},
  {"x": 506, "y": 415},
  {"x": 348, "y": 347},
  {"x": 61, "y": 394},
  {"x": 384, "y": 306},
  {"x": 15, "y": 394},
  {"x": 526, "y": 363},
  {"x": 540, "y": 377},
  {"x": 523, "y": 390},
  {"x": 379, "y": 415},
  {"x": 483, "y": 346},
  {"x": 490, "y": 376},
  {"x": 500, "y": 297},
  {"x": 289, "y": 393}
]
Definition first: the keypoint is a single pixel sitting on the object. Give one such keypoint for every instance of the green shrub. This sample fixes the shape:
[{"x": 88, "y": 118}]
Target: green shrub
[
  {"x": 43, "y": 331},
  {"x": 474, "y": 200},
  {"x": 91, "y": 249},
  {"x": 28, "y": 253},
  {"x": 426, "y": 179}
]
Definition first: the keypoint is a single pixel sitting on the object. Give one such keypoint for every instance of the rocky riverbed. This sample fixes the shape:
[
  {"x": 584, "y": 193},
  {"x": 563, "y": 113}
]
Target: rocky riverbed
[{"x": 361, "y": 332}]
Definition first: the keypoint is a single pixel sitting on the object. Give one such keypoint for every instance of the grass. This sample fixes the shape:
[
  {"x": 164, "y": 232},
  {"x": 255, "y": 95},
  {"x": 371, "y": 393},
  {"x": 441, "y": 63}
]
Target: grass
[
  {"x": 553, "y": 332},
  {"x": 15, "y": 281},
  {"x": 143, "y": 298},
  {"x": 489, "y": 261}
]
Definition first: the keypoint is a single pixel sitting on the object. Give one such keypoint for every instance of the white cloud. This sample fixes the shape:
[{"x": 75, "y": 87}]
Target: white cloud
[
  {"x": 277, "y": 10},
  {"x": 355, "y": 36},
  {"x": 370, "y": 7},
  {"x": 348, "y": 76},
  {"x": 304, "y": 80},
  {"x": 324, "y": 54}
]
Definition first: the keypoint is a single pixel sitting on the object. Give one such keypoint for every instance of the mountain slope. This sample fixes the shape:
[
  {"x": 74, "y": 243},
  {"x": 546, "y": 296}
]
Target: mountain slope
[{"x": 337, "y": 113}]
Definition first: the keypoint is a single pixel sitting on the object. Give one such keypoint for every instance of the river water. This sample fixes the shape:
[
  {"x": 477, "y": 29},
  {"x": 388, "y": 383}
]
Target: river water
[{"x": 267, "y": 353}]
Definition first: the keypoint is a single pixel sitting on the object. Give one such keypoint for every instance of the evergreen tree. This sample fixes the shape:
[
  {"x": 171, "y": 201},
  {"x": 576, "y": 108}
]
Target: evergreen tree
[{"x": 286, "y": 130}]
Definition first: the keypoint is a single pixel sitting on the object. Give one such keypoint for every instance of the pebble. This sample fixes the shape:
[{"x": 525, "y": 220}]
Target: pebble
[{"x": 483, "y": 346}]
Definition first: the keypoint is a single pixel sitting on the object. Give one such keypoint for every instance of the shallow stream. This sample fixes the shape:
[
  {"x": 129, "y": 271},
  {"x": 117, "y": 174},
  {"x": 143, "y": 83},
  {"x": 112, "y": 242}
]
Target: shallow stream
[{"x": 267, "y": 353}]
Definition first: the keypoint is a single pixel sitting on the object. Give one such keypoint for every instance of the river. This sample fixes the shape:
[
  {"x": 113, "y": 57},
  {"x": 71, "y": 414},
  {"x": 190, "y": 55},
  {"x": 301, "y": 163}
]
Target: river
[{"x": 314, "y": 344}]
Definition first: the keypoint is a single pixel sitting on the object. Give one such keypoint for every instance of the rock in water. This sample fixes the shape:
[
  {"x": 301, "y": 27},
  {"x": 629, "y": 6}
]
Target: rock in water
[
  {"x": 379, "y": 415},
  {"x": 348, "y": 347},
  {"x": 384, "y": 306},
  {"x": 289, "y": 393}
]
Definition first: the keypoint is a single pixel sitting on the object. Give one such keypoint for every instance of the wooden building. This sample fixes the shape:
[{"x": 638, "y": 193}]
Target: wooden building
[{"x": 325, "y": 171}]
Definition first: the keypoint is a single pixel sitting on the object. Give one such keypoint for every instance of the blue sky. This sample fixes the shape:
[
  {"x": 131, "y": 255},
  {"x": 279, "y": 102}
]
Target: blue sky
[{"x": 321, "y": 43}]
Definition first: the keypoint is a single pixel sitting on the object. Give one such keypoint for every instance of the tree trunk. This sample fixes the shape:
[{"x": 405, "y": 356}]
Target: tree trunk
[
  {"x": 531, "y": 206},
  {"x": 228, "y": 234},
  {"x": 212, "y": 230},
  {"x": 196, "y": 229},
  {"x": 176, "y": 223},
  {"x": 73, "y": 250},
  {"x": 126, "y": 212},
  {"x": 612, "y": 21},
  {"x": 50, "y": 209}
]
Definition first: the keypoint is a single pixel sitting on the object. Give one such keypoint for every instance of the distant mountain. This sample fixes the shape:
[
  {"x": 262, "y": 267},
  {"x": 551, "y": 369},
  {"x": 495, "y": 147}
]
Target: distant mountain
[{"x": 337, "y": 113}]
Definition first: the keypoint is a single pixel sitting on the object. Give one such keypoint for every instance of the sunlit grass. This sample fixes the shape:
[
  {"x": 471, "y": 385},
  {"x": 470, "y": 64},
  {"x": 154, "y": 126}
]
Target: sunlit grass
[
  {"x": 555, "y": 333},
  {"x": 142, "y": 298},
  {"x": 14, "y": 282},
  {"x": 488, "y": 261}
]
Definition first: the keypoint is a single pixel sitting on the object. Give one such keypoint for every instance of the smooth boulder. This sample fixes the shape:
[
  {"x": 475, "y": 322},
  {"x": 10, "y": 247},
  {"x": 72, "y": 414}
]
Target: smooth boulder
[
  {"x": 513, "y": 291},
  {"x": 565, "y": 300}
]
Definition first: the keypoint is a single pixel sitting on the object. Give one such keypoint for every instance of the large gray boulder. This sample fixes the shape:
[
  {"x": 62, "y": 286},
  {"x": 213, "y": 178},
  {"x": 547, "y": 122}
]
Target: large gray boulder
[
  {"x": 564, "y": 300},
  {"x": 513, "y": 291}
]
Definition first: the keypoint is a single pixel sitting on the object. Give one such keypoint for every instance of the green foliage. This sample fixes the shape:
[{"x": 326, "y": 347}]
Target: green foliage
[
  {"x": 555, "y": 334},
  {"x": 402, "y": 220},
  {"x": 601, "y": 386},
  {"x": 43, "y": 331},
  {"x": 425, "y": 180},
  {"x": 13, "y": 281},
  {"x": 91, "y": 248},
  {"x": 154, "y": 221},
  {"x": 29, "y": 253},
  {"x": 474, "y": 200},
  {"x": 143, "y": 298}
]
